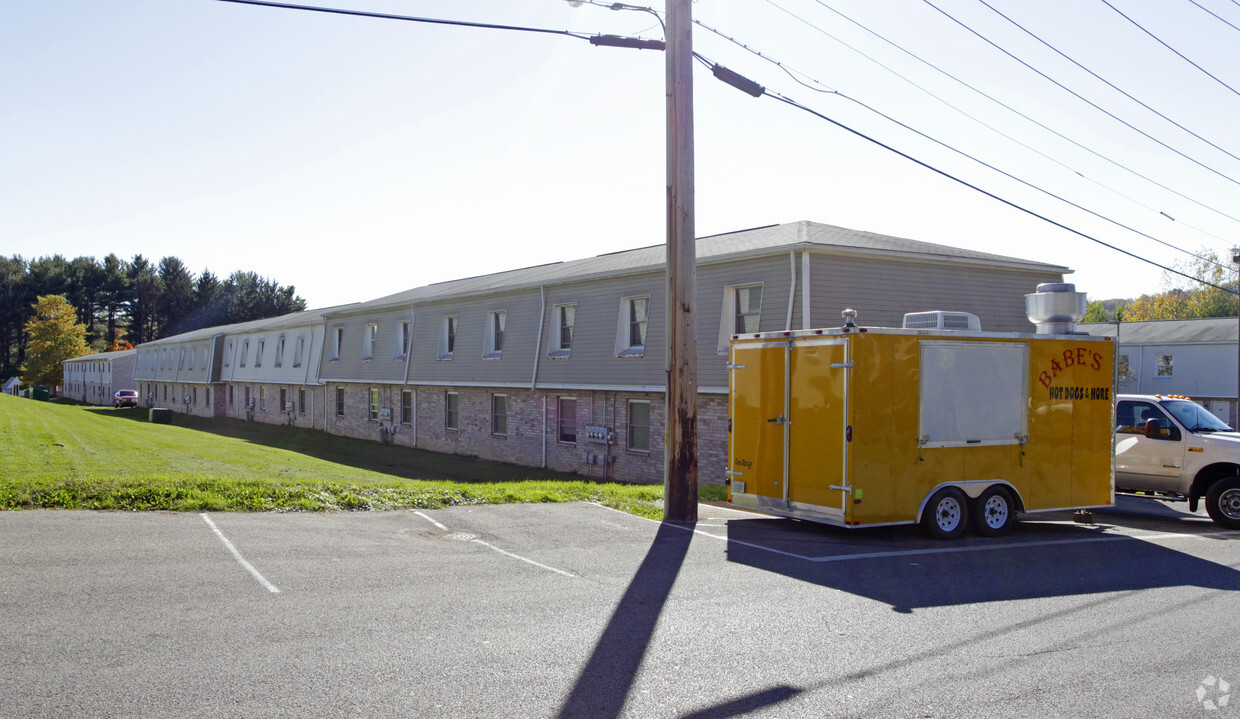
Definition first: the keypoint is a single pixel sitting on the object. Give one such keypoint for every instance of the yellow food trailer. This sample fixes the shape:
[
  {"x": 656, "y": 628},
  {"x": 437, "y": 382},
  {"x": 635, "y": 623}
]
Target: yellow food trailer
[{"x": 863, "y": 426}]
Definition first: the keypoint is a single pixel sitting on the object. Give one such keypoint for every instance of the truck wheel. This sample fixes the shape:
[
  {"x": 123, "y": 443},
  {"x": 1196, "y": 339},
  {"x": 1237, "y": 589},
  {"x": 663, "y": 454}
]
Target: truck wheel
[
  {"x": 994, "y": 512},
  {"x": 946, "y": 514},
  {"x": 1223, "y": 502}
]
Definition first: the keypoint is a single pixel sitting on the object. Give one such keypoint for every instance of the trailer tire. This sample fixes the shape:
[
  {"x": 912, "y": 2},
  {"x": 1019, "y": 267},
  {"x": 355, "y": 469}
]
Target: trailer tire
[
  {"x": 946, "y": 514},
  {"x": 994, "y": 512},
  {"x": 1223, "y": 502}
]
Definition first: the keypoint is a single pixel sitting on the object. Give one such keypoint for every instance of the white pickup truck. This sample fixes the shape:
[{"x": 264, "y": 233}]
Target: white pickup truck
[{"x": 1171, "y": 448}]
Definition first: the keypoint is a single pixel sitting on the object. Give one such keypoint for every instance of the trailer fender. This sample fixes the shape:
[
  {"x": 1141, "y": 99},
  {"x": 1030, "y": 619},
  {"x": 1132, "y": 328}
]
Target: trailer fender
[{"x": 973, "y": 489}]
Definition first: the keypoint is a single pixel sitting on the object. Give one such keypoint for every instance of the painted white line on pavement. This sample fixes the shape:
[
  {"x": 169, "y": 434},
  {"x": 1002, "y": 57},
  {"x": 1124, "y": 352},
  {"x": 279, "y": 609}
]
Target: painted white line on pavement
[
  {"x": 237, "y": 555},
  {"x": 523, "y": 559},
  {"x": 1152, "y": 536},
  {"x": 437, "y": 524}
]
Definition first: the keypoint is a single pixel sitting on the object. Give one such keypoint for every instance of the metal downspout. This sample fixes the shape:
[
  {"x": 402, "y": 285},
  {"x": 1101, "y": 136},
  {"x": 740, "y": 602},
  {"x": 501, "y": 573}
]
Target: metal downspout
[
  {"x": 792, "y": 288},
  {"x": 542, "y": 319},
  {"x": 805, "y": 293}
]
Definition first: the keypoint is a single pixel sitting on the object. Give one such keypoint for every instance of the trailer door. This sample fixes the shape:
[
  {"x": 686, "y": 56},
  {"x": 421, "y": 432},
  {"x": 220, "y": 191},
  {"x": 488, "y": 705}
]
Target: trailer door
[
  {"x": 818, "y": 414},
  {"x": 759, "y": 416}
]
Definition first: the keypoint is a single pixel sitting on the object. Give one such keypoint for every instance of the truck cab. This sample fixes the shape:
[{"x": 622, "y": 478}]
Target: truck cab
[{"x": 1171, "y": 448}]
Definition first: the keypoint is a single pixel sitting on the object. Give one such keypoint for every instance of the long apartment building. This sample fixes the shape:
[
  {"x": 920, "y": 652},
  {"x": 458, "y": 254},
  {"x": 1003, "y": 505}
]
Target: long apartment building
[{"x": 563, "y": 365}]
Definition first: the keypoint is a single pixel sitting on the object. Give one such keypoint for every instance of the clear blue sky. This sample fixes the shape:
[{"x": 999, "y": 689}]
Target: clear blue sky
[{"x": 354, "y": 157}]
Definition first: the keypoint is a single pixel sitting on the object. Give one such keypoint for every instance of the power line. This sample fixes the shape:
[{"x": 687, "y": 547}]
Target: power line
[
  {"x": 1177, "y": 52},
  {"x": 991, "y": 195},
  {"x": 983, "y": 124},
  {"x": 1104, "y": 80},
  {"x": 1013, "y": 110},
  {"x": 1216, "y": 16},
  {"x": 1080, "y": 97}
]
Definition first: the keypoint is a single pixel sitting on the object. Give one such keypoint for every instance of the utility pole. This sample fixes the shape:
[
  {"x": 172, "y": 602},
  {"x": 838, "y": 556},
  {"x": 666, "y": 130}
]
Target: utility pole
[{"x": 680, "y": 466}]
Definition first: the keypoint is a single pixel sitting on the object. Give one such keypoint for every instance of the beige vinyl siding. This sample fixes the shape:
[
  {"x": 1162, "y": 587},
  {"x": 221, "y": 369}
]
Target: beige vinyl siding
[
  {"x": 593, "y": 361},
  {"x": 514, "y": 367},
  {"x": 883, "y": 290},
  {"x": 351, "y": 366}
]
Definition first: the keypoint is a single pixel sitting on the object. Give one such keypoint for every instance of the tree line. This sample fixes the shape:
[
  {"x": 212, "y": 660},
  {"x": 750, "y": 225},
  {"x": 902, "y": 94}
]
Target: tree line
[
  {"x": 1214, "y": 295},
  {"x": 123, "y": 302}
]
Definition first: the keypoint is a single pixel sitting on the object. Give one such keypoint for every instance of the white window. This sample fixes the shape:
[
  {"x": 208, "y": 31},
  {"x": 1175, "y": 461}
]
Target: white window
[
  {"x": 245, "y": 352},
  {"x": 192, "y": 352},
  {"x": 447, "y": 338},
  {"x": 566, "y": 423},
  {"x": 499, "y": 414},
  {"x": 406, "y": 406},
  {"x": 451, "y": 413},
  {"x": 280, "y": 355},
  {"x": 1165, "y": 366},
  {"x": 368, "y": 341},
  {"x": 228, "y": 355},
  {"x": 301, "y": 347},
  {"x": 742, "y": 307},
  {"x": 631, "y": 327},
  {"x": 181, "y": 359},
  {"x": 340, "y": 401},
  {"x": 374, "y": 405},
  {"x": 493, "y": 343},
  {"x": 258, "y": 354},
  {"x": 403, "y": 340},
  {"x": 262, "y": 395},
  {"x": 565, "y": 317},
  {"x": 301, "y": 400},
  {"x": 639, "y": 425},
  {"x": 337, "y": 342}
]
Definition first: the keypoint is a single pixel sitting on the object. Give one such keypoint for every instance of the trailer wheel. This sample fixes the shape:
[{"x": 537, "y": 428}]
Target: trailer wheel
[
  {"x": 994, "y": 513},
  {"x": 946, "y": 514},
  {"x": 1223, "y": 502}
]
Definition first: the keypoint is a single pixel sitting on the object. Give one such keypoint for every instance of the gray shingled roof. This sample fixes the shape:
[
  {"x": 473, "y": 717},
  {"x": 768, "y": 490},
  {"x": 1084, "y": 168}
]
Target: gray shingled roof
[
  {"x": 103, "y": 355},
  {"x": 1211, "y": 329},
  {"x": 293, "y": 319},
  {"x": 733, "y": 245}
]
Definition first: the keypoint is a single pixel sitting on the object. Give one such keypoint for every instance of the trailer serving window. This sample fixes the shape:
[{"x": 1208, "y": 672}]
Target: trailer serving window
[{"x": 973, "y": 393}]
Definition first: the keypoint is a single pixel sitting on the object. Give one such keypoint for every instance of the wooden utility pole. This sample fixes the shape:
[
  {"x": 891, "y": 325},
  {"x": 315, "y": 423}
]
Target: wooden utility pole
[{"x": 680, "y": 468}]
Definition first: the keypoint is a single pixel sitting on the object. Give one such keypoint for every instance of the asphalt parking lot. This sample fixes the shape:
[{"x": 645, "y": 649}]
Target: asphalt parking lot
[{"x": 580, "y": 611}]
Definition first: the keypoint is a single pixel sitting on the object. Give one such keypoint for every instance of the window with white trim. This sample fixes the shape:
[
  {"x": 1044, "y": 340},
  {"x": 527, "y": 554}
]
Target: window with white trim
[
  {"x": 337, "y": 342},
  {"x": 493, "y": 343},
  {"x": 566, "y": 422},
  {"x": 279, "y": 361},
  {"x": 298, "y": 351},
  {"x": 1165, "y": 366},
  {"x": 262, "y": 397},
  {"x": 631, "y": 327},
  {"x": 451, "y": 410},
  {"x": 245, "y": 351},
  {"x": 742, "y": 308},
  {"x": 406, "y": 406},
  {"x": 447, "y": 338},
  {"x": 639, "y": 425},
  {"x": 258, "y": 354},
  {"x": 192, "y": 352},
  {"x": 301, "y": 400},
  {"x": 181, "y": 359},
  {"x": 565, "y": 317},
  {"x": 228, "y": 355},
  {"x": 374, "y": 405},
  {"x": 499, "y": 414},
  {"x": 403, "y": 340},
  {"x": 368, "y": 341},
  {"x": 340, "y": 401}
]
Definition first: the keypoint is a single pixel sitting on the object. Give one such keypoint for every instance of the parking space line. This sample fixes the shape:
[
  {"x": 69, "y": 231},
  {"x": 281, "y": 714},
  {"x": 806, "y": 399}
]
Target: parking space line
[
  {"x": 237, "y": 555},
  {"x": 1152, "y": 536},
  {"x": 492, "y": 547}
]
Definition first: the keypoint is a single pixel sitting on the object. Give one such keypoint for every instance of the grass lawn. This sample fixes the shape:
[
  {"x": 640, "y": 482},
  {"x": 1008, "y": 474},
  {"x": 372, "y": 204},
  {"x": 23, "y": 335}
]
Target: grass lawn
[{"x": 59, "y": 455}]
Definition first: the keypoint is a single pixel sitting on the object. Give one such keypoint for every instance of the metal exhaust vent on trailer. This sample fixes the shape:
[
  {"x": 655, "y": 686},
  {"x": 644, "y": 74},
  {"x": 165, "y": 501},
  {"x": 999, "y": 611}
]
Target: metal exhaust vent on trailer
[{"x": 939, "y": 320}]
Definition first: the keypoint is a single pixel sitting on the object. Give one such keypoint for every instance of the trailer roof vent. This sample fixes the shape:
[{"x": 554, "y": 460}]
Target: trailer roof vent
[{"x": 939, "y": 320}]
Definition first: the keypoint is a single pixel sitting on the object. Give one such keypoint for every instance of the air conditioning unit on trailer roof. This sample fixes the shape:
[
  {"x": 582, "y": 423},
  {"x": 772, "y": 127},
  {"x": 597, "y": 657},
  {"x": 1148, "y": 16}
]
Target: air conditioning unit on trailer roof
[{"x": 939, "y": 320}]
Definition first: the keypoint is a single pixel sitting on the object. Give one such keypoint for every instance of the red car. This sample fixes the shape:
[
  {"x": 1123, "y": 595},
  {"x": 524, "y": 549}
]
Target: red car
[{"x": 125, "y": 398}]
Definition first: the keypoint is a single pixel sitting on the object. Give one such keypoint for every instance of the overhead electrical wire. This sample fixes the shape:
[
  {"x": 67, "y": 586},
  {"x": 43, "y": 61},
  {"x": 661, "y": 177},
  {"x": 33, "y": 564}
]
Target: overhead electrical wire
[
  {"x": 1081, "y": 97},
  {"x": 989, "y": 166},
  {"x": 983, "y": 124},
  {"x": 1013, "y": 110},
  {"x": 1104, "y": 80},
  {"x": 1177, "y": 52},
  {"x": 1216, "y": 16},
  {"x": 749, "y": 86}
]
